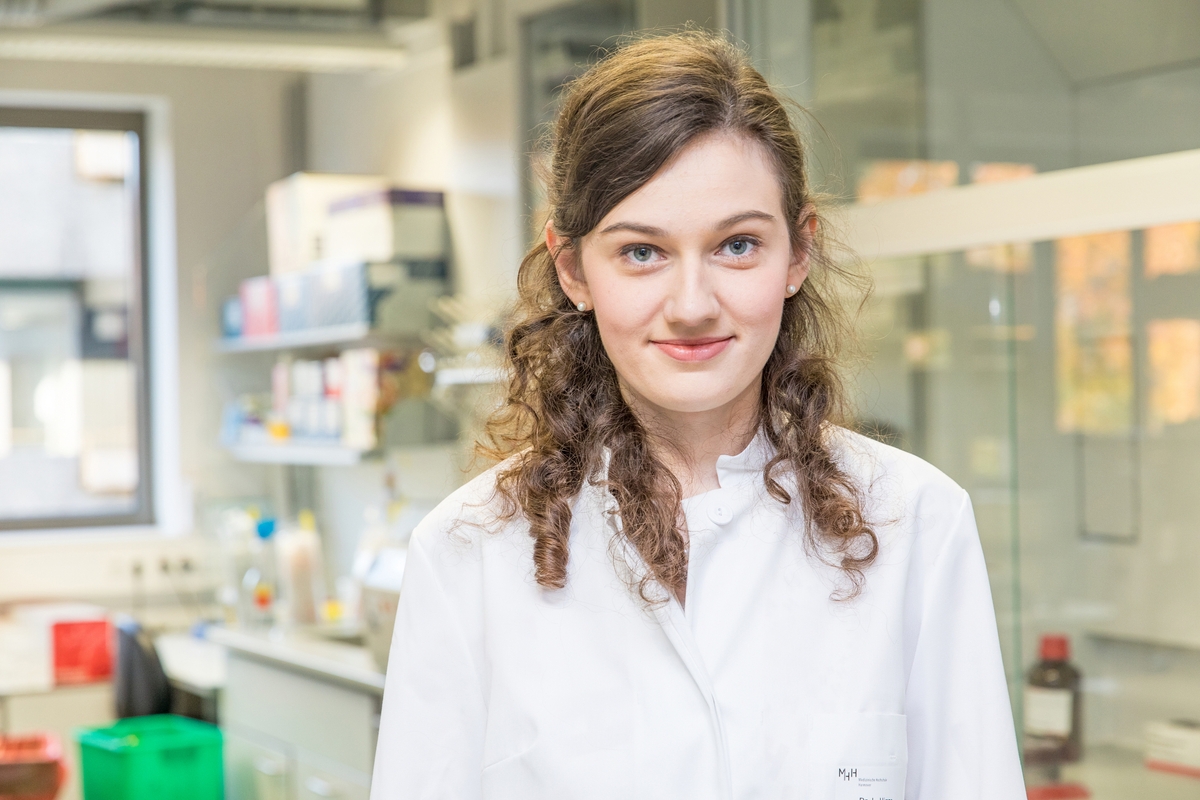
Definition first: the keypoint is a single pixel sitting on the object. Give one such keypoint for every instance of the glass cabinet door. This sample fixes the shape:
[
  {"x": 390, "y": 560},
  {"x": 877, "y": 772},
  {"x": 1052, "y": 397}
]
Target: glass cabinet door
[{"x": 1056, "y": 377}]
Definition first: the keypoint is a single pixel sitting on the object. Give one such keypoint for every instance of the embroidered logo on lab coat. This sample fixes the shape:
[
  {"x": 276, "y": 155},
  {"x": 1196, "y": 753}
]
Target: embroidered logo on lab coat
[{"x": 870, "y": 783}]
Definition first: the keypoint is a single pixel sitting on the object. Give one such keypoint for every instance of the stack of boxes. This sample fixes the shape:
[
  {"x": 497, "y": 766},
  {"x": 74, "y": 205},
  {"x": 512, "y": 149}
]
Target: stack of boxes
[{"x": 344, "y": 250}]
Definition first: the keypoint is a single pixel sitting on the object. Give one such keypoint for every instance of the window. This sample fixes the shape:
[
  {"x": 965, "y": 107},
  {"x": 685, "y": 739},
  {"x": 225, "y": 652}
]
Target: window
[{"x": 74, "y": 399}]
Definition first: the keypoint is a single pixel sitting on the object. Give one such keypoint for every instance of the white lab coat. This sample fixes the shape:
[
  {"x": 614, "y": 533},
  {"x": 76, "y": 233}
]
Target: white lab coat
[{"x": 759, "y": 686}]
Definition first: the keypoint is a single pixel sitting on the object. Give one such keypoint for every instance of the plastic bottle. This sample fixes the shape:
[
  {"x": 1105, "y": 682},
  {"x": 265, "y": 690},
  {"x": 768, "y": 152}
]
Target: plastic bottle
[
  {"x": 374, "y": 537},
  {"x": 301, "y": 572},
  {"x": 259, "y": 585},
  {"x": 1053, "y": 708},
  {"x": 235, "y": 539}
]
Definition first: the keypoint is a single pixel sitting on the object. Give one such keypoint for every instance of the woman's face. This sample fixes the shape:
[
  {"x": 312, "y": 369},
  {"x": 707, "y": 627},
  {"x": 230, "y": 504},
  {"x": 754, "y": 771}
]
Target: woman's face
[{"x": 688, "y": 275}]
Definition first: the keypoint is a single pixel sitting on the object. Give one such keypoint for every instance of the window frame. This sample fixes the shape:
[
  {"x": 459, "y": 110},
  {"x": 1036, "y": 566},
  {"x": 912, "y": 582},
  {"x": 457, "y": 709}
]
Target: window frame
[{"x": 164, "y": 499}]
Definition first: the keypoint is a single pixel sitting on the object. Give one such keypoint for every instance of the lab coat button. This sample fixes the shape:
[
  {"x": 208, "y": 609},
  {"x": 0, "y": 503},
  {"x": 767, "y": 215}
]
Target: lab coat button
[{"x": 720, "y": 514}]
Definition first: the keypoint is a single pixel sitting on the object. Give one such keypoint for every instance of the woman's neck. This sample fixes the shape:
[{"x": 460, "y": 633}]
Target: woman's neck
[{"x": 689, "y": 443}]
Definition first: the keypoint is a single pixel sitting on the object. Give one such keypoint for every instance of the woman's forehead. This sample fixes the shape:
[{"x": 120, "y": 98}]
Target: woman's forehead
[{"x": 714, "y": 179}]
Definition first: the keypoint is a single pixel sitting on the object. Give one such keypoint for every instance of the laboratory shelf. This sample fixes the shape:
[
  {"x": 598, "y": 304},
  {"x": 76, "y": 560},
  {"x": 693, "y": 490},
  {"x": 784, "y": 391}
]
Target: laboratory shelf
[
  {"x": 301, "y": 453},
  {"x": 463, "y": 376},
  {"x": 350, "y": 333}
]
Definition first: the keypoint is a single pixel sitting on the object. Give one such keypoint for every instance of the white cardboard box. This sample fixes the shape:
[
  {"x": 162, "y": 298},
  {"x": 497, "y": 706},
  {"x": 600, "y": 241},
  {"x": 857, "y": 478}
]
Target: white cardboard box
[
  {"x": 298, "y": 215},
  {"x": 26, "y": 665},
  {"x": 393, "y": 224},
  {"x": 1173, "y": 746}
]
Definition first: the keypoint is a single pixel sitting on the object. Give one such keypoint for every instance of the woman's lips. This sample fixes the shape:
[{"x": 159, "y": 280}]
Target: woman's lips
[{"x": 693, "y": 349}]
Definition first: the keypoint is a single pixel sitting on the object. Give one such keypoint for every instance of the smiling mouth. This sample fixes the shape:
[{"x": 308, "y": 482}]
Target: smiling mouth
[{"x": 693, "y": 349}]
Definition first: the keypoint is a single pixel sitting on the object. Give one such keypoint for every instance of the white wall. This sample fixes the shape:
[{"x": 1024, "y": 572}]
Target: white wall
[
  {"x": 1139, "y": 116},
  {"x": 993, "y": 91}
]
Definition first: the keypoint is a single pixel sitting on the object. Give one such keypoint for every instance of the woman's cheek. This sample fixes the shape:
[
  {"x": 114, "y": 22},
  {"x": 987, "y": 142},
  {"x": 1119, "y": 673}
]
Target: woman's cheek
[{"x": 621, "y": 344}]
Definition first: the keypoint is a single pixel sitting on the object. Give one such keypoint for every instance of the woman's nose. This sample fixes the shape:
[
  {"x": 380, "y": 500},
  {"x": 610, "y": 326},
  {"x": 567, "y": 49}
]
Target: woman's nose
[{"x": 693, "y": 299}]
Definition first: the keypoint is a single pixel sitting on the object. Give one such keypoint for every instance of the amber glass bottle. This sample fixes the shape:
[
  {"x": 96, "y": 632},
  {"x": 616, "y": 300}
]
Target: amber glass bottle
[{"x": 1053, "y": 711}]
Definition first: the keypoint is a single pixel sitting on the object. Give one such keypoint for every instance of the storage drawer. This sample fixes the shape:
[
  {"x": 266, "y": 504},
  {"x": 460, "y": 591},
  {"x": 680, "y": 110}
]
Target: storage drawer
[
  {"x": 318, "y": 779},
  {"x": 256, "y": 770},
  {"x": 317, "y": 716}
]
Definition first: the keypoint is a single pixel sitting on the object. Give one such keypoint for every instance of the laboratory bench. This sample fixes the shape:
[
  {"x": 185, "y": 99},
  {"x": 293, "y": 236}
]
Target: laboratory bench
[
  {"x": 1116, "y": 773},
  {"x": 300, "y": 713}
]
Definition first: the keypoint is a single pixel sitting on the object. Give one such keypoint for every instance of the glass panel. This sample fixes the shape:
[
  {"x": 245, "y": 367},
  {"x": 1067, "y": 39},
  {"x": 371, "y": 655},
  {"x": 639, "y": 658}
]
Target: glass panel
[
  {"x": 557, "y": 46},
  {"x": 1059, "y": 383},
  {"x": 867, "y": 91},
  {"x": 70, "y": 445},
  {"x": 938, "y": 381}
]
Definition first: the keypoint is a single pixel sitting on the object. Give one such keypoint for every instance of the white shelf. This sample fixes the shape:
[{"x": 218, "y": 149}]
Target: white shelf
[
  {"x": 1177, "y": 640},
  {"x": 459, "y": 376},
  {"x": 305, "y": 453},
  {"x": 312, "y": 337}
]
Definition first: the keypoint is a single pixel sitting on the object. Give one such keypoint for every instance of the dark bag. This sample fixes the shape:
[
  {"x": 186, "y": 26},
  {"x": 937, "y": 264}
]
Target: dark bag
[{"x": 142, "y": 687}]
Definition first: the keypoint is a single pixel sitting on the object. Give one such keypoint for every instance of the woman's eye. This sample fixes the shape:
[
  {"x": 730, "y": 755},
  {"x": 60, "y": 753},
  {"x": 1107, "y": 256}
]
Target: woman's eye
[
  {"x": 641, "y": 254},
  {"x": 739, "y": 247}
]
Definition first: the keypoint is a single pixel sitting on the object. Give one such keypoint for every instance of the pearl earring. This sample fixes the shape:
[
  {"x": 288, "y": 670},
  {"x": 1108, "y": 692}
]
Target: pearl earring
[
  {"x": 791, "y": 289},
  {"x": 582, "y": 306}
]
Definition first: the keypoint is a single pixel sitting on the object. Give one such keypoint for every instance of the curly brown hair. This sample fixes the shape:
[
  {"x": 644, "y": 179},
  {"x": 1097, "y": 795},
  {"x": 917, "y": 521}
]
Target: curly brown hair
[{"x": 619, "y": 124}]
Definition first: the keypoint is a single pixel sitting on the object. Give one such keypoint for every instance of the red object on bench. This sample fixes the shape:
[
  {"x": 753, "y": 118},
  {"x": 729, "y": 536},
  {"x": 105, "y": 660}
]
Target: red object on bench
[
  {"x": 82, "y": 651},
  {"x": 31, "y": 767},
  {"x": 1059, "y": 791}
]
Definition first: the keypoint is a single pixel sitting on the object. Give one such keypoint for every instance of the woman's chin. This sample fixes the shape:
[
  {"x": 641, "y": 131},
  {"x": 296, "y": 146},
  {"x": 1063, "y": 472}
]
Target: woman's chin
[{"x": 695, "y": 402}]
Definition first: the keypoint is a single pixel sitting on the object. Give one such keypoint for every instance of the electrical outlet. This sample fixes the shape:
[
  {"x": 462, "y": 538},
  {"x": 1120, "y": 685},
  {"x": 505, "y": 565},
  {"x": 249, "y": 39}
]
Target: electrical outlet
[{"x": 105, "y": 567}]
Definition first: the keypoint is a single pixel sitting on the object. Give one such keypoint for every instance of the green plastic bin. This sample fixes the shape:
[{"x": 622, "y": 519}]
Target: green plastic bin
[{"x": 152, "y": 758}]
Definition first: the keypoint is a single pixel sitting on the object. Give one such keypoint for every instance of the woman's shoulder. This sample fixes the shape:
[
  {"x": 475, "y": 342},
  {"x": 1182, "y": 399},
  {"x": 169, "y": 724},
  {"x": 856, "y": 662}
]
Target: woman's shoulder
[
  {"x": 886, "y": 473},
  {"x": 910, "y": 503},
  {"x": 468, "y": 514}
]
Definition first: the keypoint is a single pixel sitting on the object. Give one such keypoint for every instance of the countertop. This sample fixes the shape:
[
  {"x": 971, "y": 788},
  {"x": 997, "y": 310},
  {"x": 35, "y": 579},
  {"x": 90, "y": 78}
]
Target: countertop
[
  {"x": 196, "y": 664},
  {"x": 308, "y": 653},
  {"x": 1114, "y": 773}
]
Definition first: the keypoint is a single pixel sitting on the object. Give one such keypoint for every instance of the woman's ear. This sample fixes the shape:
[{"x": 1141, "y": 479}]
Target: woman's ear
[
  {"x": 802, "y": 253},
  {"x": 566, "y": 264}
]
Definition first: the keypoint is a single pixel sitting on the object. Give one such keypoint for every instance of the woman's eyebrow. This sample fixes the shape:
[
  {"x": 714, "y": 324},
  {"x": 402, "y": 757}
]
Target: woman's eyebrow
[
  {"x": 736, "y": 219},
  {"x": 633, "y": 227}
]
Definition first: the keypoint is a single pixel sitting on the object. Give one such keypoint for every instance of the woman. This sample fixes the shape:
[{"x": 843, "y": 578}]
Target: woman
[{"x": 687, "y": 582}]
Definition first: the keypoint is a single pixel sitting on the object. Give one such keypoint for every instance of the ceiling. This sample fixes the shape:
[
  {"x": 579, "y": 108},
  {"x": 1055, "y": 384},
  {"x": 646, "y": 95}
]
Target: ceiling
[{"x": 1098, "y": 40}]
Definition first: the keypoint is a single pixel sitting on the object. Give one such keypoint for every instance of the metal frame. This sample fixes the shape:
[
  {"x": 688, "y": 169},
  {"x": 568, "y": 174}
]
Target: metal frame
[
  {"x": 132, "y": 122},
  {"x": 167, "y": 508},
  {"x": 1121, "y": 195}
]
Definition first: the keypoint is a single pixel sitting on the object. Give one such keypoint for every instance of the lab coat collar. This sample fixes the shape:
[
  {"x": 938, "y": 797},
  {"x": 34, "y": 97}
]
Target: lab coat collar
[
  {"x": 747, "y": 465},
  {"x": 732, "y": 470}
]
